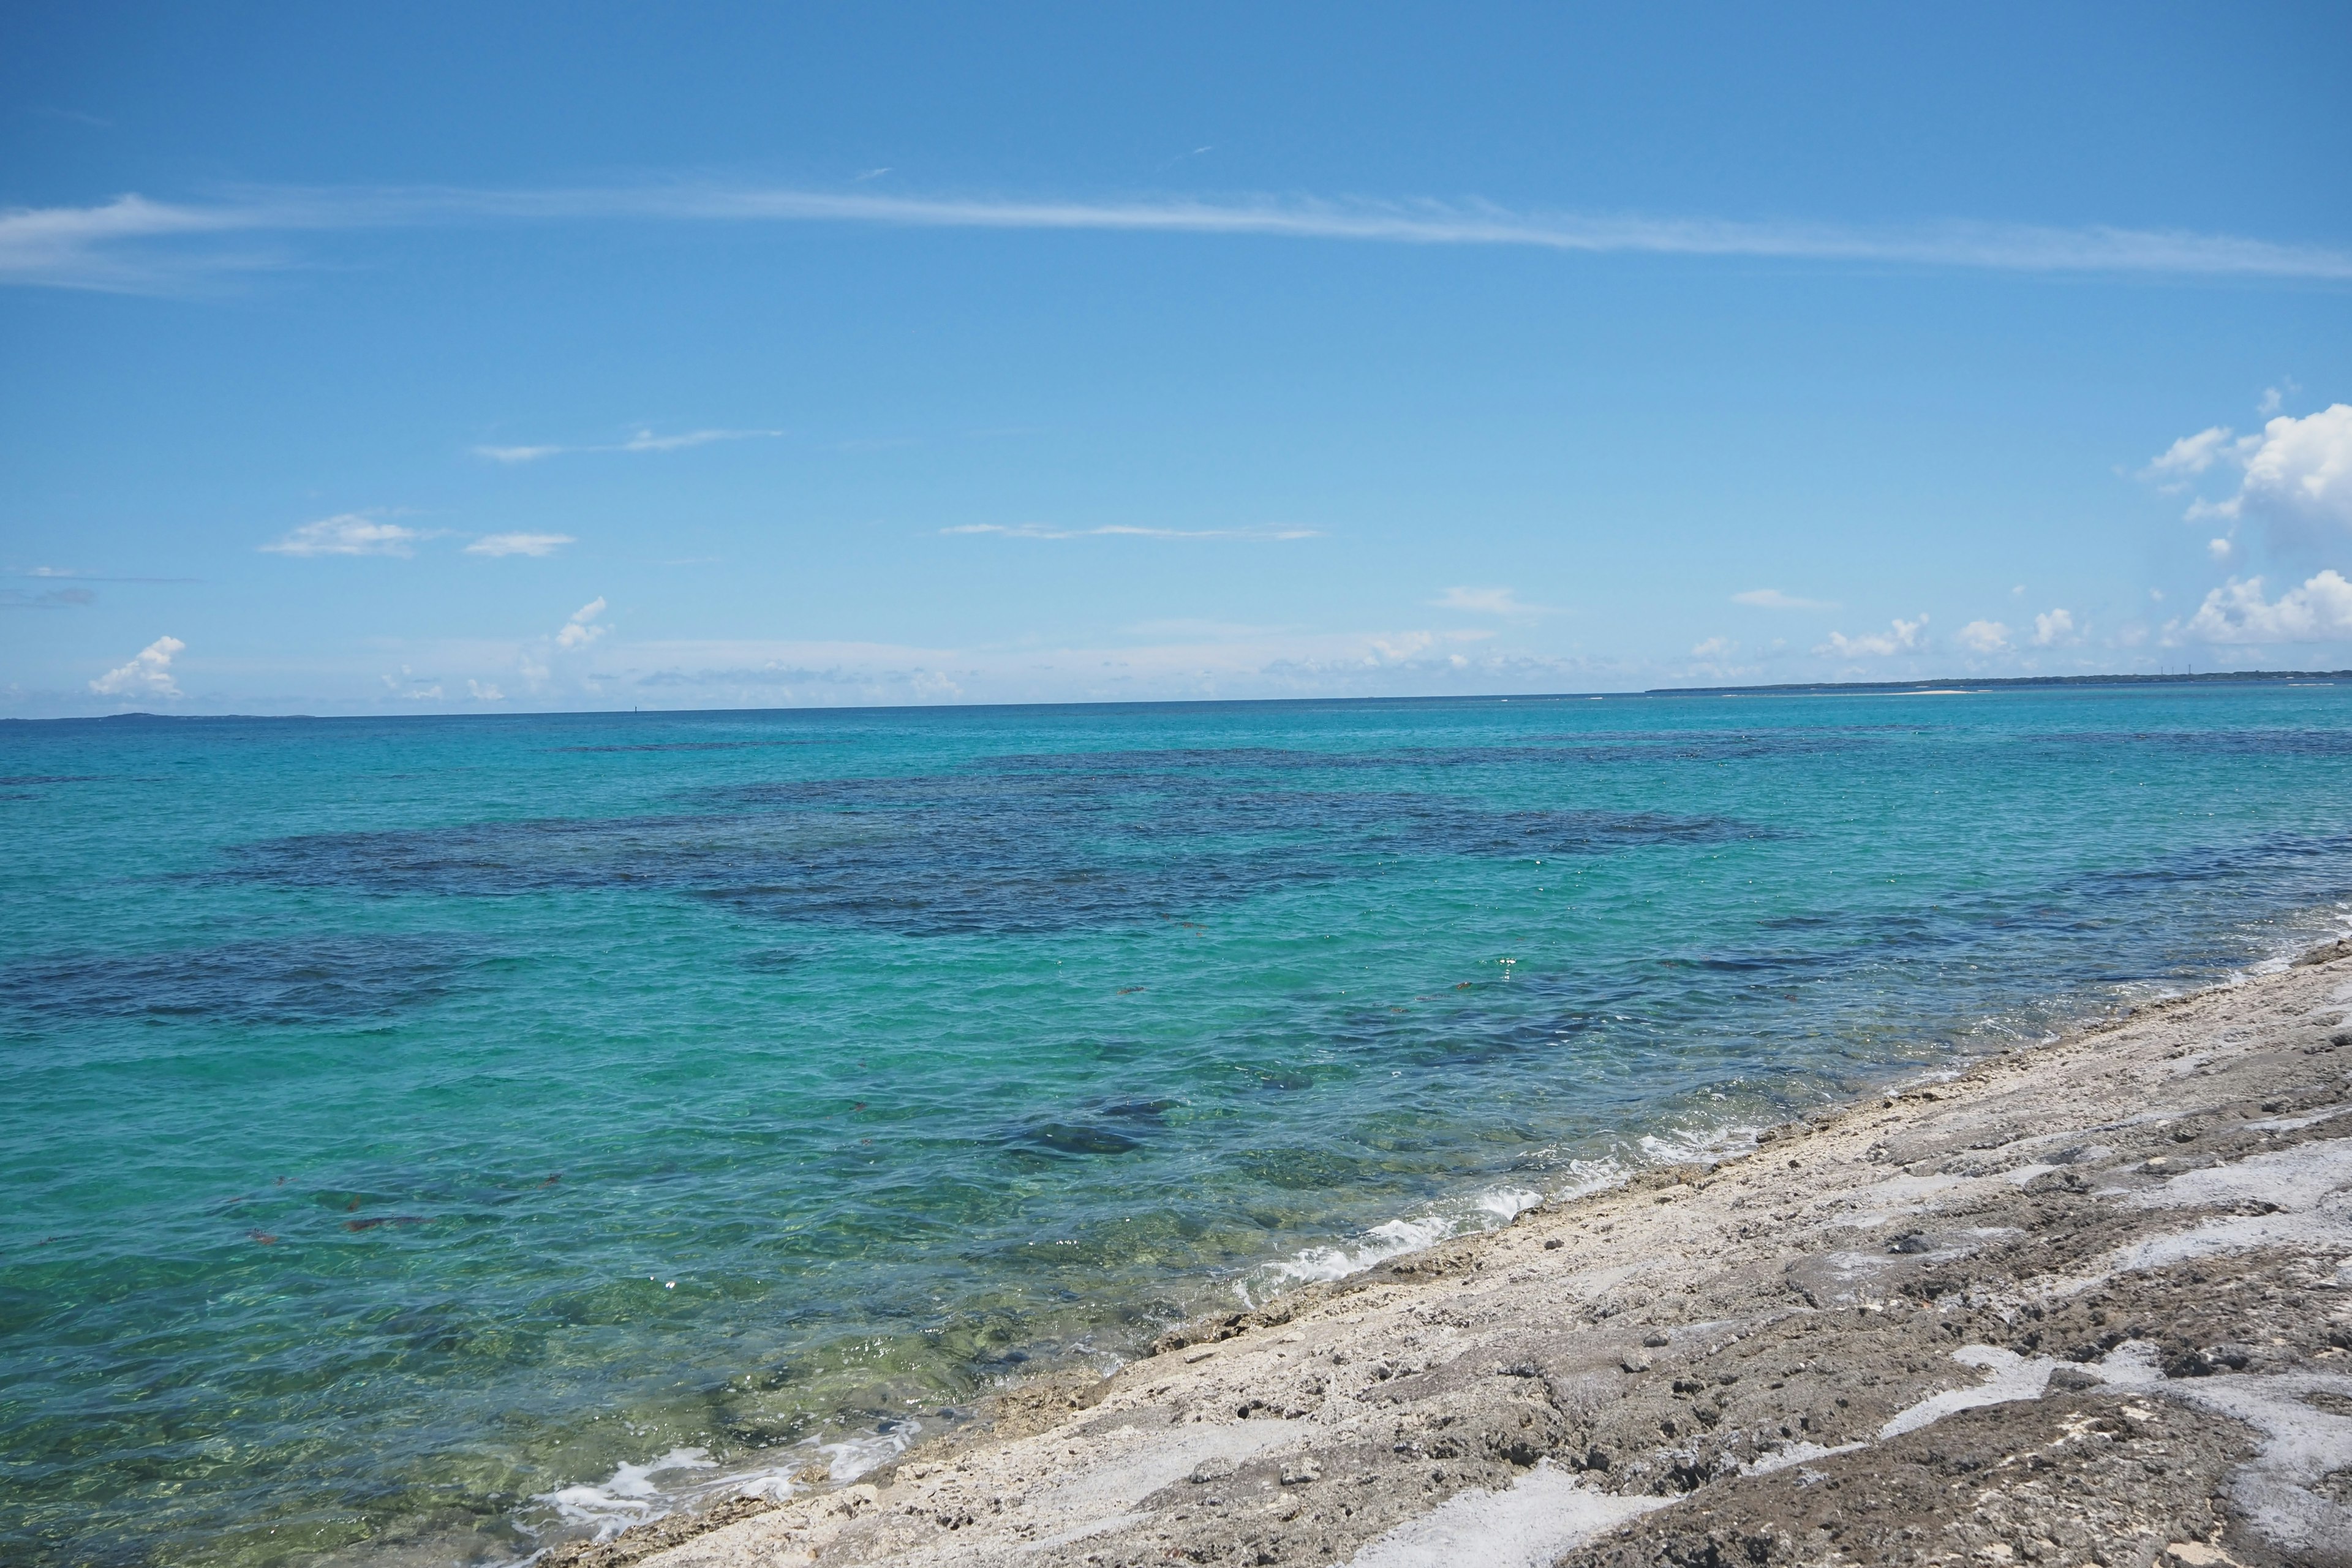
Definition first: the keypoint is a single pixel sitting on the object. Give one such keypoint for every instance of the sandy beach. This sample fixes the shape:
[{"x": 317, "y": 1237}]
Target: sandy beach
[{"x": 2089, "y": 1302}]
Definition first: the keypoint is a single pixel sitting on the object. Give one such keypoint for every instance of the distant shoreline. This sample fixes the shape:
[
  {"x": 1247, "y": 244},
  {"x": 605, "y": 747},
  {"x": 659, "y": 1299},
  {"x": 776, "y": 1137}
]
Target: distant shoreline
[
  {"x": 2002, "y": 682},
  {"x": 1955, "y": 683}
]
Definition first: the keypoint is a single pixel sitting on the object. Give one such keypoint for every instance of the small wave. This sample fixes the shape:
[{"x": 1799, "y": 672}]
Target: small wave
[
  {"x": 638, "y": 1494},
  {"x": 854, "y": 1456},
  {"x": 629, "y": 1496},
  {"x": 1698, "y": 1146},
  {"x": 1496, "y": 1207}
]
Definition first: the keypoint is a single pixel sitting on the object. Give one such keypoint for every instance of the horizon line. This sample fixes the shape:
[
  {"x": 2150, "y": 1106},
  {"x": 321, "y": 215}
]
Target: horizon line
[{"x": 1964, "y": 682}]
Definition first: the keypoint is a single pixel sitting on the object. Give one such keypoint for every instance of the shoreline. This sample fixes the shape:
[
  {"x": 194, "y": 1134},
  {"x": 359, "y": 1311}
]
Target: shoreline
[{"x": 1600, "y": 1377}]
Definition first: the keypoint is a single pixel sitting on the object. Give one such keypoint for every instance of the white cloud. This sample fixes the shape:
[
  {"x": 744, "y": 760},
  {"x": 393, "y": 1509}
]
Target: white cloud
[
  {"x": 131, "y": 243},
  {"x": 2219, "y": 549},
  {"x": 2304, "y": 467},
  {"x": 347, "y": 533},
  {"x": 1488, "y": 602},
  {"x": 2319, "y": 611},
  {"x": 581, "y": 629},
  {"x": 149, "y": 673},
  {"x": 2190, "y": 454},
  {"x": 484, "y": 692},
  {"x": 2054, "y": 627},
  {"x": 1904, "y": 638},
  {"x": 519, "y": 543},
  {"x": 1715, "y": 647},
  {"x": 1985, "y": 636},
  {"x": 643, "y": 441},
  {"x": 1773, "y": 599},
  {"x": 1039, "y": 530},
  {"x": 2294, "y": 470}
]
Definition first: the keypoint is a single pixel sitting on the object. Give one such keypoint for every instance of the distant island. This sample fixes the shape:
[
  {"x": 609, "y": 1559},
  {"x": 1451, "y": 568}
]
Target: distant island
[{"x": 1970, "y": 683}]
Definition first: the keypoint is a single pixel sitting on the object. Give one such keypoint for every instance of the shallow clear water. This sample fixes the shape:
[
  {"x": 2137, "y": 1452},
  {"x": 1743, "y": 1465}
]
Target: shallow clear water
[{"x": 417, "y": 1130}]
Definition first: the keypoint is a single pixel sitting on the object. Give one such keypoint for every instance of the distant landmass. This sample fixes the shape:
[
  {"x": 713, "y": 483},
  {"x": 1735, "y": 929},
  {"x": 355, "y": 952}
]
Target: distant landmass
[{"x": 1972, "y": 683}]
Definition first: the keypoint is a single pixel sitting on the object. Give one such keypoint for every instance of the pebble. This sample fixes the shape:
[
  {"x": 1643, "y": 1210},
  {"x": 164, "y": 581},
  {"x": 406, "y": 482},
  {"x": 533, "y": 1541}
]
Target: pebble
[
  {"x": 1656, "y": 1341},
  {"x": 1635, "y": 1362}
]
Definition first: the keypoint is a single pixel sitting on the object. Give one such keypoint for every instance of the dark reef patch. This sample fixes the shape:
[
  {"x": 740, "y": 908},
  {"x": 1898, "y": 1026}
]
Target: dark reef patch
[
  {"x": 991, "y": 848},
  {"x": 307, "y": 980}
]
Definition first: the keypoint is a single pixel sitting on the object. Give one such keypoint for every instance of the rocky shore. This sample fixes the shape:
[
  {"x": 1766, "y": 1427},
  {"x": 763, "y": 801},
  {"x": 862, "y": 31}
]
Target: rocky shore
[{"x": 2090, "y": 1303}]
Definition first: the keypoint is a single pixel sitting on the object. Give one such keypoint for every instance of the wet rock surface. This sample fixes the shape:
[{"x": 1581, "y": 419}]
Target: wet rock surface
[{"x": 2089, "y": 1303}]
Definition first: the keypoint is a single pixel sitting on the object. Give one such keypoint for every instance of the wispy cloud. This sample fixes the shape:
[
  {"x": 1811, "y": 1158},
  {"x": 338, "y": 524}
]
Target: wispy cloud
[
  {"x": 1488, "y": 602},
  {"x": 643, "y": 441},
  {"x": 68, "y": 573},
  {"x": 128, "y": 243},
  {"x": 1197, "y": 627},
  {"x": 47, "y": 599},
  {"x": 347, "y": 533},
  {"x": 519, "y": 543},
  {"x": 71, "y": 116},
  {"x": 1127, "y": 531},
  {"x": 149, "y": 673},
  {"x": 1773, "y": 599}
]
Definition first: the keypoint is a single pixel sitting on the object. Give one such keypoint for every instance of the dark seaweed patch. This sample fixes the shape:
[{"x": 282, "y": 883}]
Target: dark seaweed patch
[
  {"x": 1069, "y": 1138},
  {"x": 314, "y": 980},
  {"x": 1141, "y": 1110},
  {"x": 978, "y": 850}
]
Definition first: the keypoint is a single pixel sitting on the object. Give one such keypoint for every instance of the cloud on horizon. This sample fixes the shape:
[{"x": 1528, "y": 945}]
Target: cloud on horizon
[
  {"x": 134, "y": 244},
  {"x": 149, "y": 673},
  {"x": 582, "y": 630},
  {"x": 1905, "y": 637}
]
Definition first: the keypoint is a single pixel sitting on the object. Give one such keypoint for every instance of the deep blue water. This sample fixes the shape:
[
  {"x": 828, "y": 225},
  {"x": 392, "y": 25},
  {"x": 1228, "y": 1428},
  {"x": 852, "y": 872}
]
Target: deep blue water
[{"x": 417, "y": 1128}]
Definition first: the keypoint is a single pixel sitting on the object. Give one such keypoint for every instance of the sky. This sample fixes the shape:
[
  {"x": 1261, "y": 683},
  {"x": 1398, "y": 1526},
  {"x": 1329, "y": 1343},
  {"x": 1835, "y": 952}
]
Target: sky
[{"x": 429, "y": 359}]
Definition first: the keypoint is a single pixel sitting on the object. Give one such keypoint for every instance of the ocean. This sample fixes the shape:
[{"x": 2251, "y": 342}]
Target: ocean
[{"x": 427, "y": 1138}]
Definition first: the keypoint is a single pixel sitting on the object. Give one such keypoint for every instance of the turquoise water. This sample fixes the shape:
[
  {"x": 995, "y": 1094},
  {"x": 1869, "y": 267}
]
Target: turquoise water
[{"x": 428, "y": 1136}]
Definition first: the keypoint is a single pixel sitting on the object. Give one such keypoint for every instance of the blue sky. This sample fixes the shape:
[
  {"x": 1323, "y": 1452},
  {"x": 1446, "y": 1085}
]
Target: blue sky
[{"x": 460, "y": 359}]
